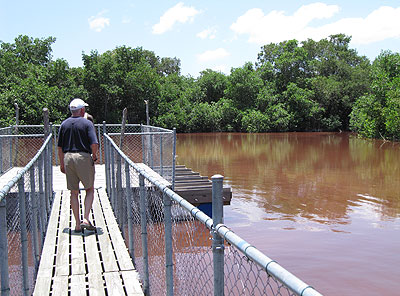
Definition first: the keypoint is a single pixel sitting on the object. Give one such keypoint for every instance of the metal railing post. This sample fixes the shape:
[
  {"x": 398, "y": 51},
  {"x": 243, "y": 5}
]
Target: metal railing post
[
  {"x": 143, "y": 220},
  {"x": 1, "y": 155},
  {"x": 112, "y": 195},
  {"x": 34, "y": 219},
  {"x": 120, "y": 205},
  {"x": 218, "y": 241},
  {"x": 143, "y": 144},
  {"x": 50, "y": 162},
  {"x": 151, "y": 152},
  {"x": 173, "y": 159},
  {"x": 46, "y": 185},
  {"x": 11, "y": 150},
  {"x": 161, "y": 156},
  {"x": 54, "y": 129},
  {"x": 100, "y": 145},
  {"x": 42, "y": 199},
  {"x": 24, "y": 236},
  {"x": 129, "y": 211},
  {"x": 169, "y": 267},
  {"x": 106, "y": 158},
  {"x": 5, "y": 286}
]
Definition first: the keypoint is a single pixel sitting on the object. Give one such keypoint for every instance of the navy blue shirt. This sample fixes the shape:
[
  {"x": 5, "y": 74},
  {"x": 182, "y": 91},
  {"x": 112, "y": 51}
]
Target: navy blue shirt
[{"x": 76, "y": 135}]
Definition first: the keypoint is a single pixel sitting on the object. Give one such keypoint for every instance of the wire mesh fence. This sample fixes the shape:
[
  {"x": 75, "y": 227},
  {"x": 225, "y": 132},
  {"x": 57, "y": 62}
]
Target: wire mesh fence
[
  {"x": 25, "y": 201},
  {"x": 18, "y": 145},
  {"x": 173, "y": 244}
]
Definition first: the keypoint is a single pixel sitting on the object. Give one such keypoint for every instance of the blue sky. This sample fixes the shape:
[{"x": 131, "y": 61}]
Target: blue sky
[{"x": 214, "y": 34}]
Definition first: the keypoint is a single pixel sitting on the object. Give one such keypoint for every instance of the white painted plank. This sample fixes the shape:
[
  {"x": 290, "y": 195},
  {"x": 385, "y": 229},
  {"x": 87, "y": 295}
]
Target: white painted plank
[
  {"x": 62, "y": 260},
  {"x": 78, "y": 285},
  {"x": 106, "y": 248}
]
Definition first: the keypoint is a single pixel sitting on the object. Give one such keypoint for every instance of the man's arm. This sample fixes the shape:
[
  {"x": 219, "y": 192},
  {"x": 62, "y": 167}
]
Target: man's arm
[
  {"x": 61, "y": 158},
  {"x": 95, "y": 148}
]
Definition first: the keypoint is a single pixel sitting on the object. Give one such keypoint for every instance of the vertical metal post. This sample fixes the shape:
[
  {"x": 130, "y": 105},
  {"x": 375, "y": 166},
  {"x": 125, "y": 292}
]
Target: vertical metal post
[
  {"x": 161, "y": 156},
  {"x": 119, "y": 194},
  {"x": 42, "y": 200},
  {"x": 129, "y": 211},
  {"x": 100, "y": 142},
  {"x": 24, "y": 236},
  {"x": 143, "y": 220},
  {"x": 173, "y": 159},
  {"x": 1, "y": 155},
  {"x": 169, "y": 268},
  {"x": 34, "y": 218},
  {"x": 151, "y": 151},
  {"x": 5, "y": 286},
  {"x": 218, "y": 242},
  {"x": 112, "y": 177},
  {"x": 16, "y": 132},
  {"x": 46, "y": 185},
  {"x": 106, "y": 158},
  {"x": 50, "y": 161},
  {"x": 55, "y": 144},
  {"x": 11, "y": 149}
]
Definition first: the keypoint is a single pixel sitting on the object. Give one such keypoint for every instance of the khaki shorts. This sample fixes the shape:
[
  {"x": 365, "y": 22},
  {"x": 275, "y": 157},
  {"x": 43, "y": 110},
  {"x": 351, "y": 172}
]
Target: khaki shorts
[{"x": 79, "y": 167}]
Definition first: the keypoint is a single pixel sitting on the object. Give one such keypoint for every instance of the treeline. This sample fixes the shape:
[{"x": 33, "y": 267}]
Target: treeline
[{"x": 292, "y": 86}]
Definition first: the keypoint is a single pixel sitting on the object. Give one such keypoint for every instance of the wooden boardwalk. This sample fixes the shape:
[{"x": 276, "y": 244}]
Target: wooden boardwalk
[{"x": 89, "y": 263}]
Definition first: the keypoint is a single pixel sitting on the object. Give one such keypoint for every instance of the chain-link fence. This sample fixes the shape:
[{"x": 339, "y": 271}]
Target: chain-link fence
[
  {"x": 18, "y": 145},
  {"x": 25, "y": 203},
  {"x": 179, "y": 250}
]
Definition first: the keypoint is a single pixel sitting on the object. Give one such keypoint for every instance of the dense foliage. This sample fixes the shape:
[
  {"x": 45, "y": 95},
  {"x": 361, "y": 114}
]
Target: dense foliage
[{"x": 308, "y": 86}]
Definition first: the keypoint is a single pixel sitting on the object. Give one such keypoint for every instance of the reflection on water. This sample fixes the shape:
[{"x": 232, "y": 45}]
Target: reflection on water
[{"x": 332, "y": 189}]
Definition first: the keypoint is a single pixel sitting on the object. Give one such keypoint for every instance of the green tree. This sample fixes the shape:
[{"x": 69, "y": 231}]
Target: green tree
[
  {"x": 212, "y": 85},
  {"x": 243, "y": 86}
]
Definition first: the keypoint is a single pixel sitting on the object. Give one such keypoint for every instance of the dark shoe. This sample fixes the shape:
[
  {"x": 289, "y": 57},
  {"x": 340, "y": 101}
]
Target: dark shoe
[{"x": 87, "y": 226}]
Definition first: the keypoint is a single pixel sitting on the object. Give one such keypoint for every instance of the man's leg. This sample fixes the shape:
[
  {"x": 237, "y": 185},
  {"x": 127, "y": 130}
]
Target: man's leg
[
  {"x": 75, "y": 208},
  {"x": 88, "y": 203}
]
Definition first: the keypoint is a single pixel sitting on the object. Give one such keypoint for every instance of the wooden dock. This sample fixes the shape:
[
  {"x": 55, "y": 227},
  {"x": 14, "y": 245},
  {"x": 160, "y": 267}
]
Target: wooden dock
[
  {"x": 195, "y": 188},
  {"x": 89, "y": 263}
]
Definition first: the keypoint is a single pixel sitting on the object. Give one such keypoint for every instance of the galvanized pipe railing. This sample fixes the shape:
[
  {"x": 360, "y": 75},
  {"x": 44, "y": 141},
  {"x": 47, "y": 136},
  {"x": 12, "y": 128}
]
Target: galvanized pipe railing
[
  {"x": 220, "y": 231},
  {"x": 42, "y": 163}
]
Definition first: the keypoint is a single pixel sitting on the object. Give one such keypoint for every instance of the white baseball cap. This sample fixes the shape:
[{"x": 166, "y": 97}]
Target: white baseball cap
[{"x": 77, "y": 104}]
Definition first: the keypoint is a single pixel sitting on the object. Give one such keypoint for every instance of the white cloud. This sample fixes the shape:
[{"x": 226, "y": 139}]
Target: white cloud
[
  {"x": 276, "y": 26},
  {"x": 178, "y": 13},
  {"x": 207, "y": 33},
  {"x": 98, "y": 23},
  {"x": 211, "y": 55}
]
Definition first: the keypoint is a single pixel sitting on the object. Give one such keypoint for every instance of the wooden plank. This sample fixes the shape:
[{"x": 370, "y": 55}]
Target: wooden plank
[
  {"x": 96, "y": 284},
  {"x": 121, "y": 251},
  {"x": 92, "y": 252},
  {"x": 132, "y": 283},
  {"x": 77, "y": 254},
  {"x": 43, "y": 281},
  {"x": 78, "y": 285},
  {"x": 114, "y": 284},
  {"x": 188, "y": 178},
  {"x": 106, "y": 248},
  {"x": 62, "y": 258},
  {"x": 60, "y": 285},
  {"x": 189, "y": 186}
]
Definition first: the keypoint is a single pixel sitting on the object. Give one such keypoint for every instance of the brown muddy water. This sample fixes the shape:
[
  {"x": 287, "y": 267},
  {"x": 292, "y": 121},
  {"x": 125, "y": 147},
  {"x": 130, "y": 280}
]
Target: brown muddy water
[{"x": 326, "y": 206}]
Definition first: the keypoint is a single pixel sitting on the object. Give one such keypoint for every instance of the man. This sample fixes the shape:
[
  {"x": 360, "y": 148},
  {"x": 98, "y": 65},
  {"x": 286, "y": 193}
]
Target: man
[{"x": 77, "y": 151}]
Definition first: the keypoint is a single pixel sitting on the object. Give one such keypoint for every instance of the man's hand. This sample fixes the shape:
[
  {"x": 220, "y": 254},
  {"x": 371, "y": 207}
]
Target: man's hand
[{"x": 62, "y": 168}]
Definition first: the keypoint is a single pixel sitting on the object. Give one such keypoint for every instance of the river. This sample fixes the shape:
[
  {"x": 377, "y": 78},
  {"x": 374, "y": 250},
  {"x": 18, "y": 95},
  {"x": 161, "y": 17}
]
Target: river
[{"x": 325, "y": 206}]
